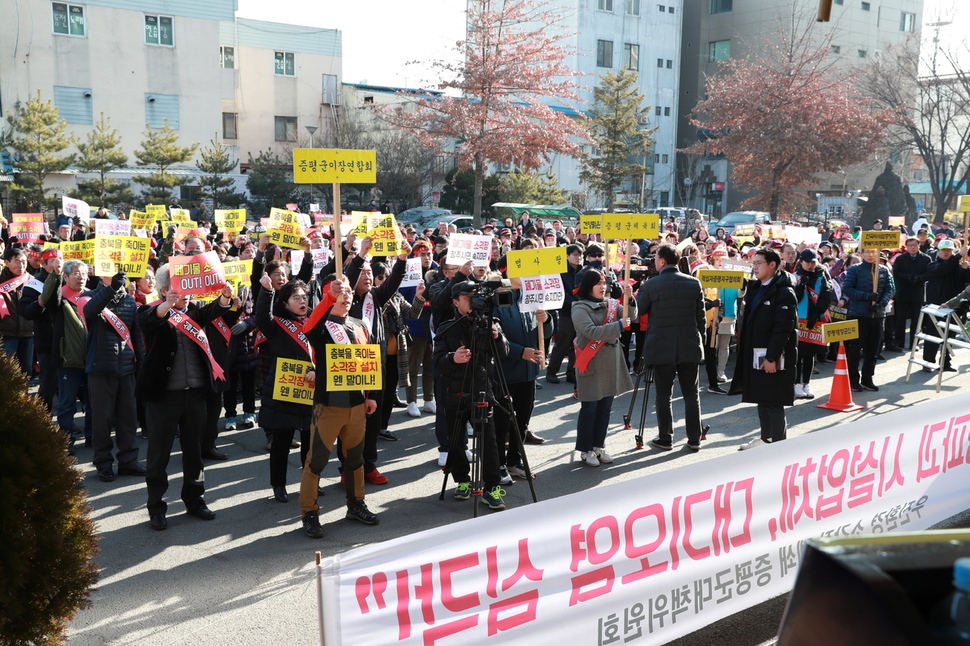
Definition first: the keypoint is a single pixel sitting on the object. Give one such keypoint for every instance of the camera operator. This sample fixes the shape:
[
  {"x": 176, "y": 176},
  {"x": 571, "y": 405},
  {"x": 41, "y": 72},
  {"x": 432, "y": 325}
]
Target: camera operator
[{"x": 453, "y": 357}]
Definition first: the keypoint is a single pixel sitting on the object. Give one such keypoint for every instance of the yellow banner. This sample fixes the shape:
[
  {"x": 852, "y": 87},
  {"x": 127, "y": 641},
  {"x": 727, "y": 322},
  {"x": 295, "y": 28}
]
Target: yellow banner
[
  {"x": 181, "y": 215},
  {"x": 721, "y": 278},
  {"x": 353, "y": 367},
  {"x": 284, "y": 229},
  {"x": 591, "y": 224},
  {"x": 157, "y": 211},
  {"x": 537, "y": 262},
  {"x": 120, "y": 253},
  {"x": 230, "y": 220},
  {"x": 334, "y": 166},
  {"x": 141, "y": 219},
  {"x": 880, "y": 240},
  {"x": 841, "y": 331},
  {"x": 384, "y": 235},
  {"x": 897, "y": 220},
  {"x": 628, "y": 226},
  {"x": 963, "y": 204},
  {"x": 775, "y": 231},
  {"x": 82, "y": 250},
  {"x": 289, "y": 383}
]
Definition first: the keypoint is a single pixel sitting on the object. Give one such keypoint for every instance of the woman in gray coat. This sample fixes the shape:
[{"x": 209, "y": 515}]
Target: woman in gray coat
[{"x": 601, "y": 372}]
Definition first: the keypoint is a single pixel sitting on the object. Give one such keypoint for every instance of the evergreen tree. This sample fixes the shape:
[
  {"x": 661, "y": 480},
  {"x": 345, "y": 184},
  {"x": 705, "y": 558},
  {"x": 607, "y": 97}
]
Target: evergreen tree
[
  {"x": 215, "y": 165},
  {"x": 621, "y": 147},
  {"x": 41, "y": 136},
  {"x": 160, "y": 149},
  {"x": 531, "y": 188},
  {"x": 458, "y": 193},
  {"x": 270, "y": 182},
  {"x": 101, "y": 154}
]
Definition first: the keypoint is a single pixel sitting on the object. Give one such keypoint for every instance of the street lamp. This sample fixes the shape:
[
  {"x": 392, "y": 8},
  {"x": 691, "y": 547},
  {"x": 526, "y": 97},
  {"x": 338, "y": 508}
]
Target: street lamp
[{"x": 310, "y": 130}]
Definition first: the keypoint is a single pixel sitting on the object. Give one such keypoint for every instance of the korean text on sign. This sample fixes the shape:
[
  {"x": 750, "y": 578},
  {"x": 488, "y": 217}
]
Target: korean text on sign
[
  {"x": 721, "y": 278},
  {"x": 230, "y": 220},
  {"x": 334, "y": 166},
  {"x": 542, "y": 293},
  {"x": 197, "y": 275},
  {"x": 537, "y": 262},
  {"x": 75, "y": 208},
  {"x": 285, "y": 229},
  {"x": 630, "y": 225},
  {"x": 290, "y": 384},
  {"x": 353, "y": 367},
  {"x": 120, "y": 253},
  {"x": 82, "y": 250},
  {"x": 880, "y": 240},
  {"x": 463, "y": 247},
  {"x": 27, "y": 227}
]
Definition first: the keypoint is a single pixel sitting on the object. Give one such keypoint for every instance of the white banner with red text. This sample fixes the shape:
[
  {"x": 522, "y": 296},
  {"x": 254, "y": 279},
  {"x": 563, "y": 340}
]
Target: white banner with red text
[{"x": 658, "y": 557}]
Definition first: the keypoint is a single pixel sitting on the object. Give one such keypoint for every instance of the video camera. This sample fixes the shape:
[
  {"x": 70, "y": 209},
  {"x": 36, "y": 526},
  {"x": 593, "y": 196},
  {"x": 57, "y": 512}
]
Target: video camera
[
  {"x": 489, "y": 294},
  {"x": 645, "y": 268}
]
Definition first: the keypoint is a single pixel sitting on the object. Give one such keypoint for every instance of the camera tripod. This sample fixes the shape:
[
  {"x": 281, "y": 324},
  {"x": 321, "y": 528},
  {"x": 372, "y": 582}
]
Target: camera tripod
[
  {"x": 476, "y": 406},
  {"x": 645, "y": 374}
]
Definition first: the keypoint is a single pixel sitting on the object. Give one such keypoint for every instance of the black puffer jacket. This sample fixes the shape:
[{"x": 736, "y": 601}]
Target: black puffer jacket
[
  {"x": 13, "y": 324},
  {"x": 107, "y": 353},
  {"x": 278, "y": 343}
]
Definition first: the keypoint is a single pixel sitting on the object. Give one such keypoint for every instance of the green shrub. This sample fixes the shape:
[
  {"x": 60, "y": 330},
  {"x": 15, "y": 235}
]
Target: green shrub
[{"x": 47, "y": 540}]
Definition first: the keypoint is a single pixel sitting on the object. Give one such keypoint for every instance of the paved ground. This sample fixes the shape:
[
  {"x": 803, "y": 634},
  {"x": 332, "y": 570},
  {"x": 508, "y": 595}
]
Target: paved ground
[{"x": 246, "y": 577}]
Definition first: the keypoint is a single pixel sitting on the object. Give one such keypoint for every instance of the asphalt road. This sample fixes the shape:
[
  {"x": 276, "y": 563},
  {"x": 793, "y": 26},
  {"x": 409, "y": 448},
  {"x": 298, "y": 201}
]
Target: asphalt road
[{"x": 247, "y": 576}]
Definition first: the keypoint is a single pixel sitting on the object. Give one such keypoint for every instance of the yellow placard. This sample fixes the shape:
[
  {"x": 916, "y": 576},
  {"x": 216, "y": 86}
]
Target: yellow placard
[
  {"x": 82, "y": 250},
  {"x": 181, "y": 216},
  {"x": 630, "y": 226},
  {"x": 591, "y": 224},
  {"x": 181, "y": 233},
  {"x": 963, "y": 204},
  {"x": 841, "y": 331},
  {"x": 230, "y": 220},
  {"x": 334, "y": 166},
  {"x": 353, "y": 367},
  {"x": 157, "y": 211},
  {"x": 537, "y": 262},
  {"x": 141, "y": 219},
  {"x": 897, "y": 220},
  {"x": 120, "y": 253},
  {"x": 384, "y": 234},
  {"x": 289, "y": 382},
  {"x": 721, "y": 278},
  {"x": 284, "y": 229},
  {"x": 746, "y": 229},
  {"x": 880, "y": 240}
]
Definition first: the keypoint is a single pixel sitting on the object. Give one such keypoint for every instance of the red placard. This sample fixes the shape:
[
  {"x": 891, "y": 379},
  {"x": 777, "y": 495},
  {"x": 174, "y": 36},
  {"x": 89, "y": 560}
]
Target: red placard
[
  {"x": 197, "y": 275},
  {"x": 28, "y": 227}
]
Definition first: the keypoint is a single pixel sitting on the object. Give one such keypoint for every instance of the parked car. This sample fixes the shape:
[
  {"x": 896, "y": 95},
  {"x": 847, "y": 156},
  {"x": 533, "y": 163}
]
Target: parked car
[
  {"x": 421, "y": 214},
  {"x": 734, "y": 218}
]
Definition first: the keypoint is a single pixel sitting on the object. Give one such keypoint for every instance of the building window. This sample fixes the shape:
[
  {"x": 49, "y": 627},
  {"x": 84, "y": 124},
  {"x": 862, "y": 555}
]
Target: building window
[
  {"x": 670, "y": 64},
  {"x": 835, "y": 49},
  {"x": 160, "y": 30},
  {"x": 329, "y": 89},
  {"x": 663, "y": 159},
  {"x": 284, "y": 65},
  {"x": 605, "y": 5},
  {"x": 228, "y": 57},
  {"x": 865, "y": 6},
  {"x": 229, "y": 123},
  {"x": 632, "y": 55},
  {"x": 68, "y": 19},
  {"x": 837, "y": 2},
  {"x": 662, "y": 7},
  {"x": 670, "y": 9},
  {"x": 718, "y": 50},
  {"x": 721, "y": 6},
  {"x": 666, "y": 112},
  {"x": 633, "y": 7},
  {"x": 660, "y": 62},
  {"x": 657, "y": 110},
  {"x": 604, "y": 53},
  {"x": 285, "y": 128},
  {"x": 664, "y": 198},
  {"x": 657, "y": 159},
  {"x": 862, "y": 53},
  {"x": 907, "y": 21}
]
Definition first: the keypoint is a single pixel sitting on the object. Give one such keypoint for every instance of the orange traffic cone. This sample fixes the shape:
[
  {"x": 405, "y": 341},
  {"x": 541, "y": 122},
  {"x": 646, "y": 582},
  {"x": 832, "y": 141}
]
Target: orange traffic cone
[{"x": 840, "y": 398}]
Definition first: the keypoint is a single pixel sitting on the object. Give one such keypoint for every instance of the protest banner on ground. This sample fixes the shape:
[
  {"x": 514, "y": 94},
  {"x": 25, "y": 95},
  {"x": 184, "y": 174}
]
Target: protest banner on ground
[
  {"x": 542, "y": 293},
  {"x": 463, "y": 247},
  {"x": 198, "y": 275},
  {"x": 353, "y": 367},
  {"x": 113, "y": 254},
  {"x": 74, "y": 208},
  {"x": 290, "y": 384},
  {"x": 656, "y": 558},
  {"x": 284, "y": 229},
  {"x": 29, "y": 228},
  {"x": 536, "y": 262}
]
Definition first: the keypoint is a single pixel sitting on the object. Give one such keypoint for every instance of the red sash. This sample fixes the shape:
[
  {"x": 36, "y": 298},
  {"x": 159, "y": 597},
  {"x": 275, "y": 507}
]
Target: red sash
[
  {"x": 295, "y": 331},
  {"x": 107, "y": 315},
  {"x": 72, "y": 296},
  {"x": 184, "y": 324},
  {"x": 223, "y": 329},
  {"x": 586, "y": 354},
  {"x": 9, "y": 287}
]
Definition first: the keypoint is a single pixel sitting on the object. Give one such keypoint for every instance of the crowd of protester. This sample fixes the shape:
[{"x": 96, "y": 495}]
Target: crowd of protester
[{"x": 125, "y": 348}]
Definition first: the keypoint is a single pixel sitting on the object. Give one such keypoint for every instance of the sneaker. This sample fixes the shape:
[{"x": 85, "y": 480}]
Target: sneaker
[
  {"x": 870, "y": 386},
  {"x": 662, "y": 444},
  {"x": 602, "y": 456},
  {"x": 413, "y": 409},
  {"x": 375, "y": 477},
  {"x": 248, "y": 420},
  {"x": 430, "y": 407},
  {"x": 756, "y": 442},
  {"x": 442, "y": 458},
  {"x": 230, "y": 423},
  {"x": 463, "y": 491},
  {"x": 518, "y": 472},
  {"x": 808, "y": 392},
  {"x": 504, "y": 477},
  {"x": 552, "y": 378},
  {"x": 716, "y": 389},
  {"x": 385, "y": 434},
  {"x": 294, "y": 444},
  {"x": 361, "y": 513},
  {"x": 856, "y": 388},
  {"x": 493, "y": 498},
  {"x": 799, "y": 391},
  {"x": 589, "y": 457},
  {"x": 311, "y": 525},
  {"x": 722, "y": 378},
  {"x": 694, "y": 447}
]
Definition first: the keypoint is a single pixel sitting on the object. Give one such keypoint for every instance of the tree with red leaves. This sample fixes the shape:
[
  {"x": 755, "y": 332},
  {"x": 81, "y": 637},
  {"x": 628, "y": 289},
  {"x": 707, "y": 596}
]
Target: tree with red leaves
[
  {"x": 512, "y": 69},
  {"x": 784, "y": 116}
]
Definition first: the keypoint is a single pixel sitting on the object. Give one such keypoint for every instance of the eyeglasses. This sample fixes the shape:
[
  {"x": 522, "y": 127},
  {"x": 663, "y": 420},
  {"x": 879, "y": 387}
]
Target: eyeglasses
[
  {"x": 300, "y": 298},
  {"x": 758, "y": 263}
]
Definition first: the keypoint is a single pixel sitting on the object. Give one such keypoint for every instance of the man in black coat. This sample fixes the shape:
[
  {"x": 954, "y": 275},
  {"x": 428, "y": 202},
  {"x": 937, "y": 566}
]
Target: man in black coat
[
  {"x": 37, "y": 304},
  {"x": 178, "y": 375},
  {"x": 908, "y": 276},
  {"x": 767, "y": 336},
  {"x": 674, "y": 345},
  {"x": 945, "y": 278}
]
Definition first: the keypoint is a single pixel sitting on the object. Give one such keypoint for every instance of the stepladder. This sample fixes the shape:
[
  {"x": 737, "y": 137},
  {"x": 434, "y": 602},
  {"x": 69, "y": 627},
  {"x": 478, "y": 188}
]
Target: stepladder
[{"x": 940, "y": 326}]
